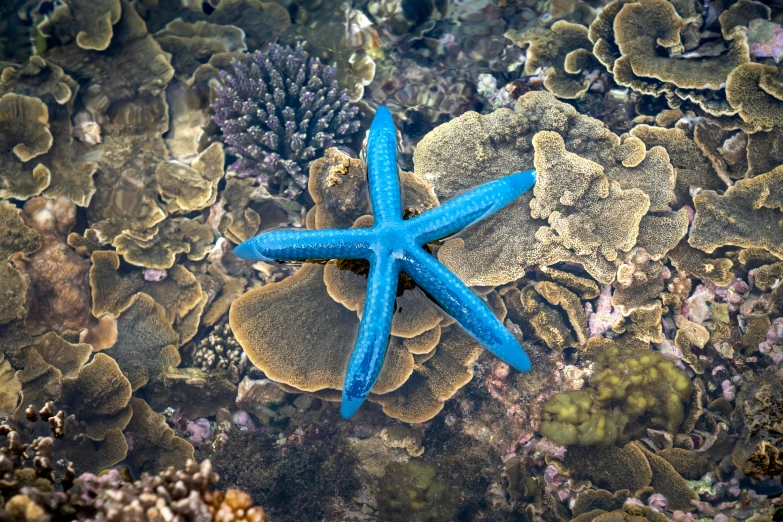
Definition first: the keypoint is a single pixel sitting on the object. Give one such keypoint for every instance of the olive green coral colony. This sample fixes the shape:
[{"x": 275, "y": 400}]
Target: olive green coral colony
[{"x": 141, "y": 141}]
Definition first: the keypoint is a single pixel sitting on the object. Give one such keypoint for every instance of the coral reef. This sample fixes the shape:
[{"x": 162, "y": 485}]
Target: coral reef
[{"x": 653, "y": 235}]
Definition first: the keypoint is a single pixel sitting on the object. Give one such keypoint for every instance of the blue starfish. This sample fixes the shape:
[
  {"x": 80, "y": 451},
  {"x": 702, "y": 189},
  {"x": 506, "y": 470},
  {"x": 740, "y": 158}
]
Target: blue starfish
[{"x": 393, "y": 245}]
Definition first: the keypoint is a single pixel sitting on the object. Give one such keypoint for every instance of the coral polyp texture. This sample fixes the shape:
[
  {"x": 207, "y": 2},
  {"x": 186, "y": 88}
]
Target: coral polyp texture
[{"x": 278, "y": 110}]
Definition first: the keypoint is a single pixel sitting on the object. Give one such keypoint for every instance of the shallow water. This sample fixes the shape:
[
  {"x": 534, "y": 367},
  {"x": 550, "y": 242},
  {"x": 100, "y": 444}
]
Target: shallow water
[{"x": 150, "y": 371}]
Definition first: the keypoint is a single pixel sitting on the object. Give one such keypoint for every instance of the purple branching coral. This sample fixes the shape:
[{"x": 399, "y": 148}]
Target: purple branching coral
[{"x": 277, "y": 109}]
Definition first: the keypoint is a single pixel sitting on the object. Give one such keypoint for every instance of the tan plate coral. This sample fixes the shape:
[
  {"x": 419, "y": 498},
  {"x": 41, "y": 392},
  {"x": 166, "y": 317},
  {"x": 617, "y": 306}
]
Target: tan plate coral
[{"x": 593, "y": 190}]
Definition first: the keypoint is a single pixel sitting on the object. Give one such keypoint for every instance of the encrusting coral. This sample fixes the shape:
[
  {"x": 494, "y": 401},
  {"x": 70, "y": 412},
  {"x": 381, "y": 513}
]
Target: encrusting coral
[
  {"x": 630, "y": 388},
  {"x": 277, "y": 109},
  {"x": 412, "y": 492}
]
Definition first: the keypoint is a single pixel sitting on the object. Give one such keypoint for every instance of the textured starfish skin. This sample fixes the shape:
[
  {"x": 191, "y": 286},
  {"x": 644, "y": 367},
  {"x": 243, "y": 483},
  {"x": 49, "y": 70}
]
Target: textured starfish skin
[{"x": 393, "y": 245}]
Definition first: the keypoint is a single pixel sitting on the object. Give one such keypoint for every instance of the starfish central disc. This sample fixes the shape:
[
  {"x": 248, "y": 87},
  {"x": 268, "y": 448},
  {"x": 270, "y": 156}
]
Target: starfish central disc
[{"x": 394, "y": 245}]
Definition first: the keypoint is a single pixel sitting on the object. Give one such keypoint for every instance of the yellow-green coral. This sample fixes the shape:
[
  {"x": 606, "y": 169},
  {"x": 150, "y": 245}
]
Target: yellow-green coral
[{"x": 630, "y": 387}]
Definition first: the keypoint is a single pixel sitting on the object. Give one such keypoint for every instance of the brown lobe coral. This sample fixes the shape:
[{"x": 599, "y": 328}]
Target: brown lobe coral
[
  {"x": 14, "y": 292},
  {"x": 46, "y": 81},
  {"x": 94, "y": 456},
  {"x": 155, "y": 445},
  {"x": 605, "y": 219},
  {"x": 230, "y": 290},
  {"x": 482, "y": 148},
  {"x": 98, "y": 397},
  {"x": 193, "y": 44},
  {"x": 688, "y": 463},
  {"x": 584, "y": 287},
  {"x": 315, "y": 361},
  {"x": 695, "y": 262},
  {"x": 25, "y": 123},
  {"x": 643, "y": 325},
  {"x": 113, "y": 292},
  {"x": 598, "y": 499},
  {"x": 755, "y": 91},
  {"x": 14, "y": 336},
  {"x": 24, "y": 127},
  {"x": 693, "y": 170},
  {"x": 628, "y": 511},
  {"x": 10, "y": 387},
  {"x": 528, "y": 309},
  {"x": 424, "y": 342},
  {"x": 659, "y": 233},
  {"x": 435, "y": 380},
  {"x": 733, "y": 218},
  {"x": 414, "y": 312},
  {"x": 66, "y": 357},
  {"x": 186, "y": 188},
  {"x": 309, "y": 357},
  {"x": 126, "y": 191},
  {"x": 725, "y": 148},
  {"x": 639, "y": 282},
  {"x": 146, "y": 342},
  {"x": 338, "y": 186},
  {"x": 612, "y": 468},
  {"x": 641, "y": 28},
  {"x": 90, "y": 21},
  {"x": 15, "y": 235},
  {"x": 41, "y": 382},
  {"x": 123, "y": 93},
  {"x": 46, "y": 362},
  {"x": 168, "y": 239},
  {"x": 764, "y": 151},
  {"x": 556, "y": 295},
  {"x": 41, "y": 79},
  {"x": 741, "y": 14},
  {"x": 243, "y": 203},
  {"x": 669, "y": 483},
  {"x": 564, "y": 51}
]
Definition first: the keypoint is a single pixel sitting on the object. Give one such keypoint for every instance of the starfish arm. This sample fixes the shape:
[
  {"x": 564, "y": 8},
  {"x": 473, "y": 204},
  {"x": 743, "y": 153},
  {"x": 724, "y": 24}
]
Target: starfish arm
[
  {"x": 370, "y": 350},
  {"x": 465, "y": 307},
  {"x": 382, "y": 168},
  {"x": 467, "y": 208},
  {"x": 286, "y": 245}
]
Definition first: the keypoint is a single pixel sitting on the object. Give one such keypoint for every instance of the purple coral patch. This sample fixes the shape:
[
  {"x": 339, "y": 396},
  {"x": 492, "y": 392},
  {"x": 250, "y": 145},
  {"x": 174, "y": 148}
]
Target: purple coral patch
[{"x": 278, "y": 109}]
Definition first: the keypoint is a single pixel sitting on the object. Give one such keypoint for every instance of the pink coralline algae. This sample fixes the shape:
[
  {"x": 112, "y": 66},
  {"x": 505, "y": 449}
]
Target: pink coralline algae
[
  {"x": 765, "y": 39},
  {"x": 696, "y": 308},
  {"x": 201, "y": 430},
  {"x": 605, "y": 315},
  {"x": 731, "y": 294},
  {"x": 154, "y": 274},
  {"x": 657, "y": 501},
  {"x": 773, "y": 345}
]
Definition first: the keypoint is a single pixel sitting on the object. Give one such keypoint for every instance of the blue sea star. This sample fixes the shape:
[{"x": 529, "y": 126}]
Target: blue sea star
[{"x": 393, "y": 245}]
